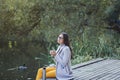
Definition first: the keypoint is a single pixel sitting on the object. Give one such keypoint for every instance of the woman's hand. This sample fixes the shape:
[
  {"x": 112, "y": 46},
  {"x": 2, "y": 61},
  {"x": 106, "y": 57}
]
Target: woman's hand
[{"x": 53, "y": 53}]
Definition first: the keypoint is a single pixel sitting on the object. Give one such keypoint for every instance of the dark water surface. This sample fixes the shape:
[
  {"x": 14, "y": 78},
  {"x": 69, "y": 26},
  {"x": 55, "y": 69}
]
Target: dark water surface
[{"x": 20, "y": 65}]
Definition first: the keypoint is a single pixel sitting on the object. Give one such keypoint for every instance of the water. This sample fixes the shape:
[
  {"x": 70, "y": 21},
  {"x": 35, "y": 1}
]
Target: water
[{"x": 17, "y": 65}]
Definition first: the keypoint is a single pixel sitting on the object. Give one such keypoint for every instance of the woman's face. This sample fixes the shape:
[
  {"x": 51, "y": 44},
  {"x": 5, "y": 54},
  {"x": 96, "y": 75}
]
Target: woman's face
[{"x": 60, "y": 39}]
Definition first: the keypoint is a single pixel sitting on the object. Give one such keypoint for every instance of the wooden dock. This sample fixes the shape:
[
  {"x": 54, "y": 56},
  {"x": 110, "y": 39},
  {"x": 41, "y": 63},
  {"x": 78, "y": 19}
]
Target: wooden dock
[{"x": 98, "y": 69}]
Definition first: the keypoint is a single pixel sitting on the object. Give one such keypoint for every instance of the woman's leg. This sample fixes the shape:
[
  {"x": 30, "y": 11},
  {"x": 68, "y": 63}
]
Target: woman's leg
[
  {"x": 51, "y": 74},
  {"x": 39, "y": 73}
]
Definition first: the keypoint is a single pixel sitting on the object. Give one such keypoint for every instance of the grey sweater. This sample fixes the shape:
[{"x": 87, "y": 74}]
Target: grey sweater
[{"x": 63, "y": 63}]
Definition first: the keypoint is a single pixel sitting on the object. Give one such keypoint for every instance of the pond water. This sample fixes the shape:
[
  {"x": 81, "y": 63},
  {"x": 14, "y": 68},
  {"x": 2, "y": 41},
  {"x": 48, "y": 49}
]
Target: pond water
[{"x": 21, "y": 65}]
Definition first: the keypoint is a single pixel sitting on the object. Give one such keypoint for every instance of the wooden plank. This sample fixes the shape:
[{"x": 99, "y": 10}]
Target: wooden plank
[
  {"x": 112, "y": 75},
  {"x": 117, "y": 78},
  {"x": 98, "y": 70},
  {"x": 86, "y": 73},
  {"x": 87, "y": 63},
  {"x": 102, "y": 72},
  {"x": 94, "y": 66}
]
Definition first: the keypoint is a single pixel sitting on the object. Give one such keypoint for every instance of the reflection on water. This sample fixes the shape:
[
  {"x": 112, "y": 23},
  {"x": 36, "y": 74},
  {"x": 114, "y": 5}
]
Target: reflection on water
[
  {"x": 21, "y": 65},
  {"x": 21, "y": 68}
]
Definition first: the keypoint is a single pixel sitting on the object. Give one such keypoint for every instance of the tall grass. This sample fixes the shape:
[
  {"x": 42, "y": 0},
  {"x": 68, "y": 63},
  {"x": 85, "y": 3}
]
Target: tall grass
[{"x": 94, "y": 46}]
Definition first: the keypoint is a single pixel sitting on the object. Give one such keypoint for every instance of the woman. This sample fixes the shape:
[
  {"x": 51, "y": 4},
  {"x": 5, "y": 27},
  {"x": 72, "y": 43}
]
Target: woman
[{"x": 62, "y": 58}]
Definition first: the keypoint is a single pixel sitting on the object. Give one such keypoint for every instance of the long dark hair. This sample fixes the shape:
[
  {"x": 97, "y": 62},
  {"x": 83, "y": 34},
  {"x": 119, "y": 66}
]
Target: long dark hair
[{"x": 66, "y": 41}]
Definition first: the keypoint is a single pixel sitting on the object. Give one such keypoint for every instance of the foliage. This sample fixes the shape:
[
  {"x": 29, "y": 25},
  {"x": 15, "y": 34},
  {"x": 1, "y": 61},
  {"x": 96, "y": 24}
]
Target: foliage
[{"x": 29, "y": 29}]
